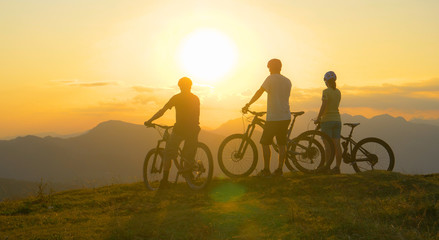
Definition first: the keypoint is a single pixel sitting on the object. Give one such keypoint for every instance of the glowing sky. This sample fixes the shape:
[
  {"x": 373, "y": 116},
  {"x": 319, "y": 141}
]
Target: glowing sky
[{"x": 67, "y": 65}]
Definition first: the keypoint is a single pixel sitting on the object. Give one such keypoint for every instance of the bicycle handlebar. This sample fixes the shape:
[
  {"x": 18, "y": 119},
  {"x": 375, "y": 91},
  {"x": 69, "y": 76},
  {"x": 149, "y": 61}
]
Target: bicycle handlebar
[
  {"x": 158, "y": 125},
  {"x": 259, "y": 114}
]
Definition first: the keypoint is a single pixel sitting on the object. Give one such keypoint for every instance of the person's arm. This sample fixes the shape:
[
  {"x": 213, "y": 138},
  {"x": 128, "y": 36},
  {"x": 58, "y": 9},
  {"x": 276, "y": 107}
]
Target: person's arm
[
  {"x": 160, "y": 112},
  {"x": 322, "y": 110},
  {"x": 255, "y": 97},
  {"x": 156, "y": 116}
]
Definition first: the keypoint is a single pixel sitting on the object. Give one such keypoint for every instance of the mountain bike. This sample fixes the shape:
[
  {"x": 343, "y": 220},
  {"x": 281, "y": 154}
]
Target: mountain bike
[
  {"x": 197, "y": 178},
  {"x": 238, "y": 154},
  {"x": 368, "y": 154}
]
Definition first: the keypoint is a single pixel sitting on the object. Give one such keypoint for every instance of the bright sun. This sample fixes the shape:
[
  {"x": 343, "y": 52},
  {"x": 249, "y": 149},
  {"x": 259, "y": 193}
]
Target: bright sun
[{"x": 207, "y": 54}]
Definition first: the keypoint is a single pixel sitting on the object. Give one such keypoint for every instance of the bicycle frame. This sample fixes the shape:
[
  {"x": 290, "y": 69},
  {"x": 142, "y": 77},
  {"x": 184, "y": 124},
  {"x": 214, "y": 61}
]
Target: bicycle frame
[
  {"x": 165, "y": 138},
  {"x": 249, "y": 132},
  {"x": 260, "y": 122},
  {"x": 159, "y": 142},
  {"x": 348, "y": 144},
  {"x": 346, "y": 156}
]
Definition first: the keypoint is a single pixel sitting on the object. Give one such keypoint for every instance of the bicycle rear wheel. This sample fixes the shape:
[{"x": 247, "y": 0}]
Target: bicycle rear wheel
[
  {"x": 327, "y": 144},
  {"x": 203, "y": 168},
  {"x": 237, "y": 156},
  {"x": 372, "y": 154},
  {"x": 153, "y": 169},
  {"x": 307, "y": 154}
]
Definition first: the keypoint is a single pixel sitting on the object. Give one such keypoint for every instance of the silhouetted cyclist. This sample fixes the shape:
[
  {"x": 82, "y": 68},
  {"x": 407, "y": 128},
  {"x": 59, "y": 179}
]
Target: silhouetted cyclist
[
  {"x": 278, "y": 88},
  {"x": 186, "y": 128},
  {"x": 329, "y": 116}
]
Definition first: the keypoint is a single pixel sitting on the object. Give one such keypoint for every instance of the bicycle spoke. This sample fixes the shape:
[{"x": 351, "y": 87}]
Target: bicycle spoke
[{"x": 239, "y": 164}]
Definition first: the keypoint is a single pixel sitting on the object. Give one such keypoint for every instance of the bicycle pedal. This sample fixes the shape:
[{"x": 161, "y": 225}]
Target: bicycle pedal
[
  {"x": 347, "y": 161},
  {"x": 293, "y": 153}
]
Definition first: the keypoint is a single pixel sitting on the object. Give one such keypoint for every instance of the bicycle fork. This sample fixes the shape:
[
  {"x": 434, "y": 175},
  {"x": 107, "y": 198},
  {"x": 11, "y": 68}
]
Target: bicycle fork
[
  {"x": 244, "y": 144},
  {"x": 154, "y": 161}
]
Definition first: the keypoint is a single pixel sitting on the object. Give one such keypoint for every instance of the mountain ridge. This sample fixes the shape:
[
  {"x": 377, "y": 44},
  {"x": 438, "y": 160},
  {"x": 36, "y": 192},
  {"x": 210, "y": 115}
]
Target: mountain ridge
[{"x": 113, "y": 151}]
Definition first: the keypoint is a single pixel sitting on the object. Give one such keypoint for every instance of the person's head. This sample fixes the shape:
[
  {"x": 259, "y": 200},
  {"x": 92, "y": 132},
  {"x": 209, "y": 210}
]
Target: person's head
[
  {"x": 274, "y": 65},
  {"x": 185, "y": 84},
  {"x": 330, "y": 79}
]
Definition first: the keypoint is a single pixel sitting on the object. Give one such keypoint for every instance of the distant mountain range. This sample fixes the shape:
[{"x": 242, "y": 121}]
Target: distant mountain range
[
  {"x": 114, "y": 151},
  {"x": 434, "y": 122}
]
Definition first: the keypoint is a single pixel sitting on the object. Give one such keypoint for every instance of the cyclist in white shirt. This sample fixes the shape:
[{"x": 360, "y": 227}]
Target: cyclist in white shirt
[{"x": 278, "y": 89}]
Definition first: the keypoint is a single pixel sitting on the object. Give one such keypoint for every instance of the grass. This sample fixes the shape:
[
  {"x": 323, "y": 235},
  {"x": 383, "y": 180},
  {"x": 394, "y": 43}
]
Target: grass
[{"x": 377, "y": 205}]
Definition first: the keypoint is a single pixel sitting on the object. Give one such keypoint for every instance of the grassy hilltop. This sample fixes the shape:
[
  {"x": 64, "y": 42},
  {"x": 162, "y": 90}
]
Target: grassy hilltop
[{"x": 376, "y": 205}]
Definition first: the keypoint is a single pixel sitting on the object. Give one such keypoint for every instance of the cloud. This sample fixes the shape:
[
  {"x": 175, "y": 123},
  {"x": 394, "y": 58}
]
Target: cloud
[
  {"x": 106, "y": 107},
  {"x": 410, "y": 96},
  {"x": 424, "y": 89},
  {"x": 414, "y": 99},
  {"x": 78, "y": 83},
  {"x": 410, "y": 100},
  {"x": 202, "y": 88},
  {"x": 144, "y": 99},
  {"x": 143, "y": 89}
]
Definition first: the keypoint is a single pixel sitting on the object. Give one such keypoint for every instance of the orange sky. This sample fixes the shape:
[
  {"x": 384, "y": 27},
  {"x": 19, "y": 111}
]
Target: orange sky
[{"x": 65, "y": 67}]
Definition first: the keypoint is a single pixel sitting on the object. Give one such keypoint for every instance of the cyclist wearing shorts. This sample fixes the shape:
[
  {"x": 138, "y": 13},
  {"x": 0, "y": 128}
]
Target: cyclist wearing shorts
[
  {"x": 186, "y": 128},
  {"x": 329, "y": 116},
  {"x": 278, "y": 89}
]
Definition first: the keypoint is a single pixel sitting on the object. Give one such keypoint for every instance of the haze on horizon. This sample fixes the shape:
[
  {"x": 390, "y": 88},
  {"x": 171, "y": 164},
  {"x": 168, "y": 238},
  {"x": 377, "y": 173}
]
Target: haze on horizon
[{"x": 66, "y": 66}]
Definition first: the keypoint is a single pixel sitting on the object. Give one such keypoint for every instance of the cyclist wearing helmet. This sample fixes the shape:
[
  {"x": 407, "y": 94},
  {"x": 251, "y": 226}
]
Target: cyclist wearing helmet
[
  {"x": 278, "y": 88},
  {"x": 329, "y": 116},
  {"x": 186, "y": 127}
]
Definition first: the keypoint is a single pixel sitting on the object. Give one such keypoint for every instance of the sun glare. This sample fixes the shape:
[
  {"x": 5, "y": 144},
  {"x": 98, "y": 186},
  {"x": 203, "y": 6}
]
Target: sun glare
[{"x": 207, "y": 55}]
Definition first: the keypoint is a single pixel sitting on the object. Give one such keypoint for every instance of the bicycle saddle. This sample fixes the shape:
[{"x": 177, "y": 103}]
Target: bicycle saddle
[
  {"x": 260, "y": 114},
  {"x": 352, "y": 125},
  {"x": 297, "y": 113}
]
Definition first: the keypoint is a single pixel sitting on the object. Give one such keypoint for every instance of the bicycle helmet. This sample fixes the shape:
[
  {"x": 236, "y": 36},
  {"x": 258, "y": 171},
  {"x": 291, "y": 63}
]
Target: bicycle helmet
[{"x": 330, "y": 76}]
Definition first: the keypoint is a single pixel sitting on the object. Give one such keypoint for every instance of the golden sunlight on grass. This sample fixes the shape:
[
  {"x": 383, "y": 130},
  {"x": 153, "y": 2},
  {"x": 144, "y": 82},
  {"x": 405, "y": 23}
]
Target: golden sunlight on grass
[
  {"x": 373, "y": 205},
  {"x": 227, "y": 192}
]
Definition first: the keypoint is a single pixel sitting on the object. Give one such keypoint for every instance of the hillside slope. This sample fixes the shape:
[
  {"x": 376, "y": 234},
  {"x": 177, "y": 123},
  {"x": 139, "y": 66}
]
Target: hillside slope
[
  {"x": 357, "y": 206},
  {"x": 113, "y": 151}
]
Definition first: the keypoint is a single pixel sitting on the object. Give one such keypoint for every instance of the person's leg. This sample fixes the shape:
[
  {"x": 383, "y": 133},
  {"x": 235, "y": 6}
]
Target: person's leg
[
  {"x": 190, "y": 147},
  {"x": 281, "y": 138},
  {"x": 336, "y": 139},
  {"x": 282, "y": 155},
  {"x": 171, "y": 152},
  {"x": 267, "y": 156},
  {"x": 266, "y": 141},
  {"x": 337, "y": 152},
  {"x": 327, "y": 153},
  {"x": 325, "y": 128}
]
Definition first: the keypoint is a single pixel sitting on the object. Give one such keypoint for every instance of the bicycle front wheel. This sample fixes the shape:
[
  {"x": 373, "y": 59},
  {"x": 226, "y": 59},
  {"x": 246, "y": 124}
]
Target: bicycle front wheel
[
  {"x": 307, "y": 154},
  {"x": 203, "y": 168},
  {"x": 372, "y": 154},
  {"x": 237, "y": 156},
  {"x": 153, "y": 168}
]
